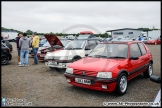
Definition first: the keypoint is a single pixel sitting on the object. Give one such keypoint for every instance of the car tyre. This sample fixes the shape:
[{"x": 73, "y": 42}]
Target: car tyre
[
  {"x": 122, "y": 83},
  {"x": 149, "y": 71},
  {"x": 76, "y": 59},
  {"x": 4, "y": 60}
]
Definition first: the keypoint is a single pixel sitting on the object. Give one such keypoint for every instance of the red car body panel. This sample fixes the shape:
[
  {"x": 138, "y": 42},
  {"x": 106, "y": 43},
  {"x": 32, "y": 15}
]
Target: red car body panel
[
  {"x": 86, "y": 32},
  {"x": 53, "y": 40},
  {"x": 156, "y": 41},
  {"x": 92, "y": 66}
]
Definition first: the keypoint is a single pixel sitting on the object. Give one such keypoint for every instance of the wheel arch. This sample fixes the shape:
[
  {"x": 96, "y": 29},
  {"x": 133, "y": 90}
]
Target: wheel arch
[
  {"x": 76, "y": 56},
  {"x": 122, "y": 71}
]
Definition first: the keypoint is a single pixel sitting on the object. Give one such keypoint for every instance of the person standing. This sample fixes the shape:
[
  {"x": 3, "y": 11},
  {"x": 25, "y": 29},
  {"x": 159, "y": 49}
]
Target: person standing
[
  {"x": 24, "y": 44},
  {"x": 18, "y": 48},
  {"x": 35, "y": 45}
]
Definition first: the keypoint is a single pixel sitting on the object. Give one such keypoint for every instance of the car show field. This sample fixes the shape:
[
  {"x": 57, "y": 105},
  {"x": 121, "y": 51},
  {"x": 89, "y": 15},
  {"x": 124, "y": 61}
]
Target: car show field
[{"x": 43, "y": 86}]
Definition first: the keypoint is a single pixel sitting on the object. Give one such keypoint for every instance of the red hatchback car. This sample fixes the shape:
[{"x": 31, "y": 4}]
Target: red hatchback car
[
  {"x": 110, "y": 66},
  {"x": 154, "y": 41}
]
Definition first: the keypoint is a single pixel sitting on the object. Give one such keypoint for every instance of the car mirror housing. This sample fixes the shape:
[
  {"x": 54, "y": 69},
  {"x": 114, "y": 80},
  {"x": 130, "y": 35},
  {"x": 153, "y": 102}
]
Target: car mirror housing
[
  {"x": 155, "y": 78},
  {"x": 133, "y": 58}
]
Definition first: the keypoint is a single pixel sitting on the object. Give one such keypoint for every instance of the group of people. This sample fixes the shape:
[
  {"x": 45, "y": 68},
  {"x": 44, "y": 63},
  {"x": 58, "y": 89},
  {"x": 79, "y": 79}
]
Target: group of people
[{"x": 23, "y": 44}]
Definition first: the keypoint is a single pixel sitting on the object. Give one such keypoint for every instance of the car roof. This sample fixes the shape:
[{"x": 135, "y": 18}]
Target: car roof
[
  {"x": 89, "y": 39},
  {"x": 120, "y": 42}
]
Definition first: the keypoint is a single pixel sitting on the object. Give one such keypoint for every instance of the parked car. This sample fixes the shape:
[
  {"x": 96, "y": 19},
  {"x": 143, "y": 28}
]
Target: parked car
[
  {"x": 86, "y": 35},
  {"x": 49, "y": 48},
  {"x": 156, "y": 79},
  {"x": 116, "y": 39},
  {"x": 73, "y": 51},
  {"x": 42, "y": 42},
  {"x": 146, "y": 39},
  {"x": 41, "y": 37},
  {"x": 8, "y": 44},
  {"x": 110, "y": 66},
  {"x": 107, "y": 39},
  {"x": 154, "y": 41},
  {"x": 5, "y": 54}
]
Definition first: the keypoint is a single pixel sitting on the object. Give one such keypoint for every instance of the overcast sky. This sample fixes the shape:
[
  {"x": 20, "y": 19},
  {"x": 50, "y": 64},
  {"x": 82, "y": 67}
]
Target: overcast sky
[{"x": 73, "y": 17}]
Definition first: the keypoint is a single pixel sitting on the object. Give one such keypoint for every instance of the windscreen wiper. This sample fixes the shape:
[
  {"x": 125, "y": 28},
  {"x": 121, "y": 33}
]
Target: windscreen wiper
[
  {"x": 116, "y": 57},
  {"x": 68, "y": 48},
  {"x": 77, "y": 48}
]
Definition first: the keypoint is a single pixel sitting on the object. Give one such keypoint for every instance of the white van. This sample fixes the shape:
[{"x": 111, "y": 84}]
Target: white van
[
  {"x": 10, "y": 36},
  {"x": 73, "y": 51}
]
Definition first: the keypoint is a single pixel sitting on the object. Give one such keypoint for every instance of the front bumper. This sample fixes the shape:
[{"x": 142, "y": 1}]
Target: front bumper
[
  {"x": 41, "y": 56},
  {"x": 57, "y": 64},
  {"x": 96, "y": 83}
]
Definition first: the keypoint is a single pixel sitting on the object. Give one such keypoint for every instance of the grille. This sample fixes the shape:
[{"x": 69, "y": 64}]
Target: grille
[{"x": 87, "y": 73}]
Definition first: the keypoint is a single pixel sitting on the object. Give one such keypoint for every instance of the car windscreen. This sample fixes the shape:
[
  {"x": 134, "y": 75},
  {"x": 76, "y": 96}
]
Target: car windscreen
[
  {"x": 75, "y": 44},
  {"x": 46, "y": 44},
  {"x": 43, "y": 41},
  {"x": 85, "y": 36},
  {"x": 110, "y": 51},
  {"x": 64, "y": 42}
]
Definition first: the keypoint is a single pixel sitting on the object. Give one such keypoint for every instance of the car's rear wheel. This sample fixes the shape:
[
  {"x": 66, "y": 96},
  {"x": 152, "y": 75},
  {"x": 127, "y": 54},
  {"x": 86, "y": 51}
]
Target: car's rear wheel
[
  {"x": 122, "y": 83},
  {"x": 4, "y": 60},
  {"x": 149, "y": 71}
]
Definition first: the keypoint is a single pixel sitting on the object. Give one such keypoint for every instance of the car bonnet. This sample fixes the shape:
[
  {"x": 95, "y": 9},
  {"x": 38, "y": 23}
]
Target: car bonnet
[{"x": 53, "y": 39}]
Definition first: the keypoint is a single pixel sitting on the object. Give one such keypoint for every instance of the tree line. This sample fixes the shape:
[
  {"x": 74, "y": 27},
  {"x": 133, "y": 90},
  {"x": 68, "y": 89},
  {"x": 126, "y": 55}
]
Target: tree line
[{"x": 29, "y": 32}]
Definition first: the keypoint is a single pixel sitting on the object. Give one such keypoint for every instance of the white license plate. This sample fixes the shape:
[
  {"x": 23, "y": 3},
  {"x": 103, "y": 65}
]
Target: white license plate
[
  {"x": 52, "y": 63},
  {"x": 42, "y": 55},
  {"x": 83, "y": 81}
]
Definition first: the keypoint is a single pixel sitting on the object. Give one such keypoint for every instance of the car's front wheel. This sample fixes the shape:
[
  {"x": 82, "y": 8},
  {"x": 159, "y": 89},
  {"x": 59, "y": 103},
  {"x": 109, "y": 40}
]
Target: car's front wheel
[
  {"x": 149, "y": 71},
  {"x": 4, "y": 60},
  {"x": 76, "y": 59},
  {"x": 122, "y": 83}
]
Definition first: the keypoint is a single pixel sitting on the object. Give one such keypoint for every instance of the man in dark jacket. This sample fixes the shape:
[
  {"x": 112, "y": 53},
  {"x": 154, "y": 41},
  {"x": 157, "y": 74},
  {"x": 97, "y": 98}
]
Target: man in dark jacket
[
  {"x": 18, "y": 48},
  {"x": 24, "y": 44}
]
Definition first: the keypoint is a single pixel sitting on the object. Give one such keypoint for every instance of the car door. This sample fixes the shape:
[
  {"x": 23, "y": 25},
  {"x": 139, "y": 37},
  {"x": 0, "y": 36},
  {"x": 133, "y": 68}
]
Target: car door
[
  {"x": 134, "y": 66},
  {"x": 87, "y": 47},
  {"x": 145, "y": 58}
]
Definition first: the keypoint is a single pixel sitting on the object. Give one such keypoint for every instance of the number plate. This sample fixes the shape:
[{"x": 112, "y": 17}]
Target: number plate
[
  {"x": 83, "y": 81},
  {"x": 52, "y": 63}
]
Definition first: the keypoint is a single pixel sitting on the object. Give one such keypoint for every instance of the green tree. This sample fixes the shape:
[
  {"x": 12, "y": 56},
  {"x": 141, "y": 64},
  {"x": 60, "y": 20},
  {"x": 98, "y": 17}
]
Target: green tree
[{"x": 29, "y": 32}]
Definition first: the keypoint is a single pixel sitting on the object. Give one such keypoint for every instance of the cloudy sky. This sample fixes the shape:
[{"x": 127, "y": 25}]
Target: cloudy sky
[{"x": 73, "y": 17}]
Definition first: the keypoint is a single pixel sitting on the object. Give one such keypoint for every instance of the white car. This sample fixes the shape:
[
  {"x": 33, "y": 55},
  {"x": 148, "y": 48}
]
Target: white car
[{"x": 73, "y": 51}]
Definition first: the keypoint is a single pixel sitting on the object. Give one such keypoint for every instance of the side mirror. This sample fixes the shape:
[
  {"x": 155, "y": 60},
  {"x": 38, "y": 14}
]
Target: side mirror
[
  {"x": 86, "y": 54},
  {"x": 155, "y": 79},
  {"x": 133, "y": 58}
]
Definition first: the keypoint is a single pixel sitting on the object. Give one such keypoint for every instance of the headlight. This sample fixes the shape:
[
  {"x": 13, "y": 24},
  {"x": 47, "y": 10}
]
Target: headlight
[
  {"x": 104, "y": 75},
  {"x": 69, "y": 70},
  {"x": 64, "y": 58}
]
